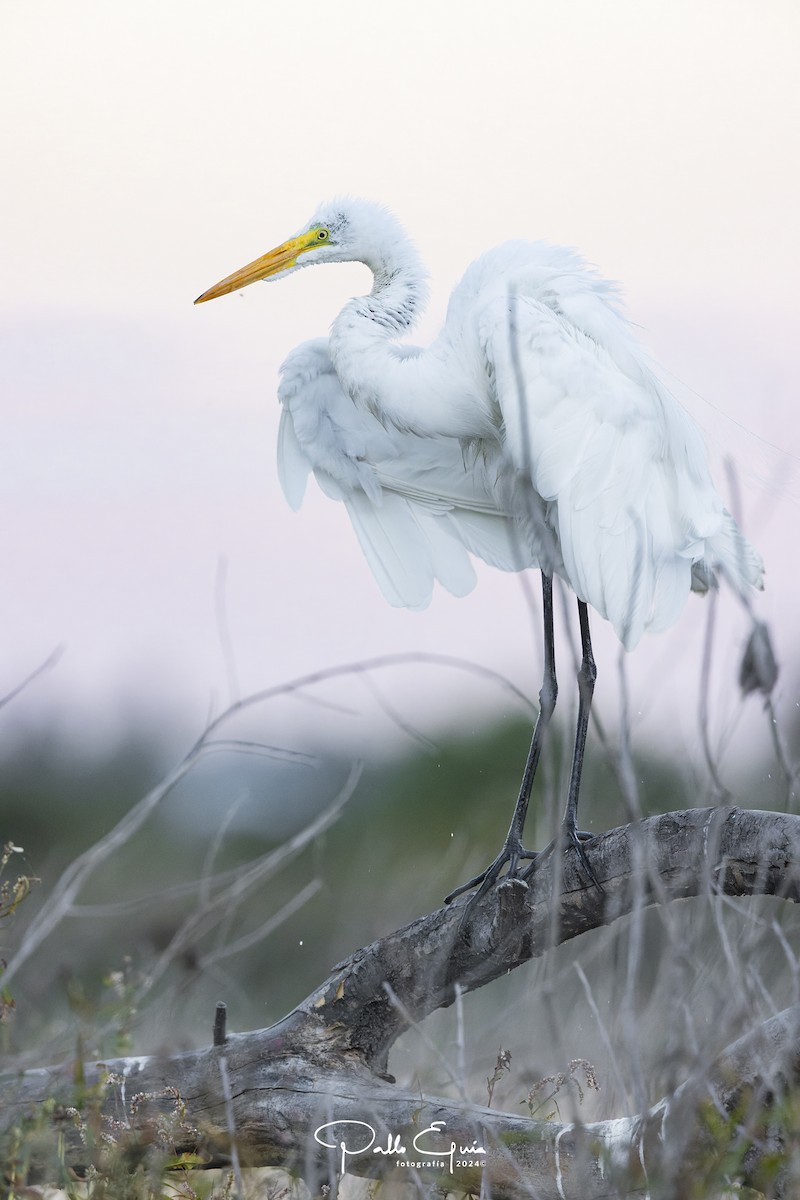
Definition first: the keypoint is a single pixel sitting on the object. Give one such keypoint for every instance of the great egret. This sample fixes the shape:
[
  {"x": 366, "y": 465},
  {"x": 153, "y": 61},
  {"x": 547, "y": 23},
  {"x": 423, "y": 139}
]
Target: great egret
[{"x": 532, "y": 432}]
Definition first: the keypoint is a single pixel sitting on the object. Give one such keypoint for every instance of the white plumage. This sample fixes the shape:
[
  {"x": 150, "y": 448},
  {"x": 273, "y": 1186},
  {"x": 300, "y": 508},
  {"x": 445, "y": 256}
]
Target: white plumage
[{"x": 533, "y": 432}]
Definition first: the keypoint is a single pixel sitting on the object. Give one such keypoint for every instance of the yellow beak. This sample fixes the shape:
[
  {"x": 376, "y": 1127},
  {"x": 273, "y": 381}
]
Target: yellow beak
[{"x": 271, "y": 263}]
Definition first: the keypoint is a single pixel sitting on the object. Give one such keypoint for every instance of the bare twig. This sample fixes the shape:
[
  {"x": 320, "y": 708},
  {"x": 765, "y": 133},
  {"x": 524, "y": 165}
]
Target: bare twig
[{"x": 51, "y": 661}]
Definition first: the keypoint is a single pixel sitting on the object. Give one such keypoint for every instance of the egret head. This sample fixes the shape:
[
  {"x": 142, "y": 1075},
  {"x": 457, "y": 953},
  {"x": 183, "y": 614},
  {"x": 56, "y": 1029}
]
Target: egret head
[{"x": 346, "y": 230}]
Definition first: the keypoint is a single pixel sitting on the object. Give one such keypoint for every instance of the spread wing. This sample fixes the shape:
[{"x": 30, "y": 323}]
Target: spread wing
[{"x": 418, "y": 506}]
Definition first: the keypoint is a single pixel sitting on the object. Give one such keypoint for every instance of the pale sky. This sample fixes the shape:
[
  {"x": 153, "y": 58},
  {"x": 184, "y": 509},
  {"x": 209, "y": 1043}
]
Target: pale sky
[{"x": 148, "y": 149}]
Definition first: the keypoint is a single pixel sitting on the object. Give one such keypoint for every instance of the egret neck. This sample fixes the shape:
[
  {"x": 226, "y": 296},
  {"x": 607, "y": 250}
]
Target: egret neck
[{"x": 404, "y": 386}]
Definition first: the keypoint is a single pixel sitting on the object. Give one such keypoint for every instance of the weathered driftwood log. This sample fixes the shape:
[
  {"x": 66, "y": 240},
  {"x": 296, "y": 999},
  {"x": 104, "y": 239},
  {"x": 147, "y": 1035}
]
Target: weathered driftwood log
[{"x": 312, "y": 1093}]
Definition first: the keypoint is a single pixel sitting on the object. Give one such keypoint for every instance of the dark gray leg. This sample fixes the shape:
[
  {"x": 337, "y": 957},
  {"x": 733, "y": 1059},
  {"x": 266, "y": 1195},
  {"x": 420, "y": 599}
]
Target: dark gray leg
[
  {"x": 513, "y": 849},
  {"x": 586, "y": 680},
  {"x": 587, "y": 674}
]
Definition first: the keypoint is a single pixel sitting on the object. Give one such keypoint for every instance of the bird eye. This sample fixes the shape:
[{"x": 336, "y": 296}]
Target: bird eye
[{"x": 323, "y": 235}]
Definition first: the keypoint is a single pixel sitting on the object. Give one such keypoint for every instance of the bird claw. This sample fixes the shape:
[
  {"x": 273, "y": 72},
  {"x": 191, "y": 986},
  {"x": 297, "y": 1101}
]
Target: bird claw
[
  {"x": 511, "y": 853},
  {"x": 569, "y": 837}
]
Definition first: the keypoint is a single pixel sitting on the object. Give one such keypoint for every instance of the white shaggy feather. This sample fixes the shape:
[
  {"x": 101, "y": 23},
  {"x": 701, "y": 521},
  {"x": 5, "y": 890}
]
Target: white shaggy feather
[{"x": 533, "y": 432}]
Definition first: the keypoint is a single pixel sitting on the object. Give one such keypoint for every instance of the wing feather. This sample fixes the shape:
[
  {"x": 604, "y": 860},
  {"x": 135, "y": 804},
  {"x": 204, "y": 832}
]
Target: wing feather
[
  {"x": 418, "y": 507},
  {"x": 294, "y": 467},
  {"x": 621, "y": 468}
]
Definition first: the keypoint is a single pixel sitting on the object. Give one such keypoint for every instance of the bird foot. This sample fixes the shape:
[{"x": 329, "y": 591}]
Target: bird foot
[
  {"x": 512, "y": 853},
  {"x": 569, "y": 837}
]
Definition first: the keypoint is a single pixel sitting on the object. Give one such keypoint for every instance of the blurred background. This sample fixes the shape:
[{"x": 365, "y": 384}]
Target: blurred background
[{"x": 148, "y": 150}]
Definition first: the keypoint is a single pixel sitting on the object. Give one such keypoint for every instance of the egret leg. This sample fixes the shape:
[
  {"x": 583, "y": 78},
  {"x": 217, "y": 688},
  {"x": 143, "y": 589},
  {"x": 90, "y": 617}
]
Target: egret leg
[
  {"x": 587, "y": 674},
  {"x": 513, "y": 849}
]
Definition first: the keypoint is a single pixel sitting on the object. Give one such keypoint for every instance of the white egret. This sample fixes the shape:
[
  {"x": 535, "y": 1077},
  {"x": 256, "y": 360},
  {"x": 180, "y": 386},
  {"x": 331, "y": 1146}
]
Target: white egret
[{"x": 533, "y": 432}]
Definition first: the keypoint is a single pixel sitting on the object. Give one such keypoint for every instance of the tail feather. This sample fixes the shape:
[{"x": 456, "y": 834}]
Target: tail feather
[{"x": 729, "y": 554}]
